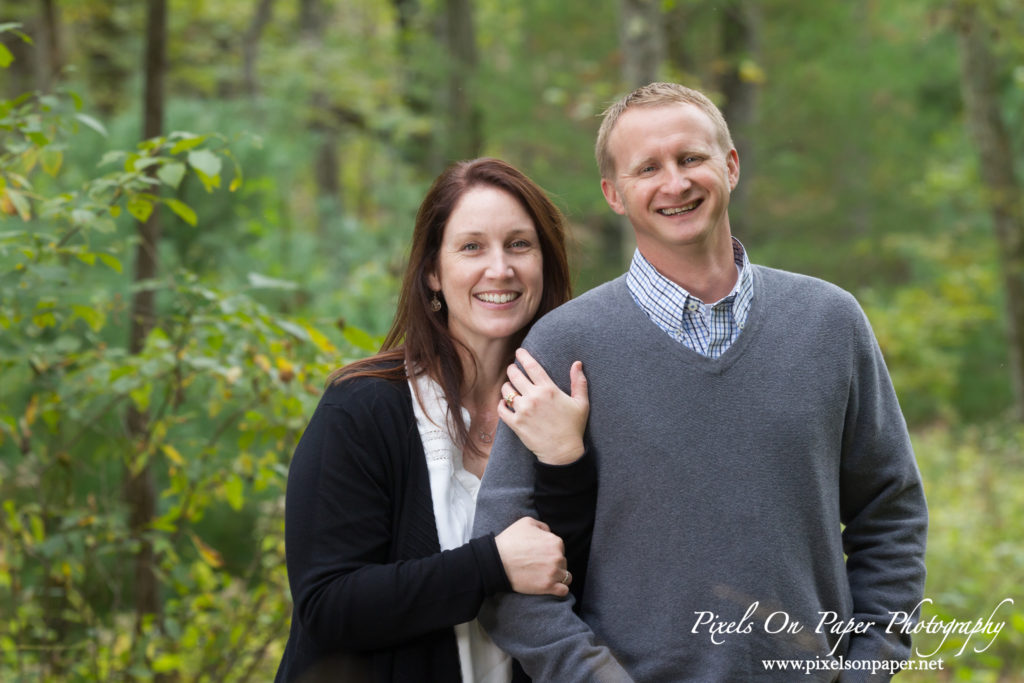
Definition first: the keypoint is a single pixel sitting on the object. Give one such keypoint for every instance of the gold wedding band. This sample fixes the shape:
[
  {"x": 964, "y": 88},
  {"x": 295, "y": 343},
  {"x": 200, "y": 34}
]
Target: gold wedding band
[{"x": 567, "y": 578}]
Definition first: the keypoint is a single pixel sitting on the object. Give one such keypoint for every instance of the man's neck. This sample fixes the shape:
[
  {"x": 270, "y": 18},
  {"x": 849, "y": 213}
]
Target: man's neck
[{"x": 706, "y": 273}]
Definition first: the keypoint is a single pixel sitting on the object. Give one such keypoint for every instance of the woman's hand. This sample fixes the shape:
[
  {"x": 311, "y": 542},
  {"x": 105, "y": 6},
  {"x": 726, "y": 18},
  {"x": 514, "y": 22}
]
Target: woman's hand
[
  {"x": 547, "y": 421},
  {"x": 534, "y": 558}
]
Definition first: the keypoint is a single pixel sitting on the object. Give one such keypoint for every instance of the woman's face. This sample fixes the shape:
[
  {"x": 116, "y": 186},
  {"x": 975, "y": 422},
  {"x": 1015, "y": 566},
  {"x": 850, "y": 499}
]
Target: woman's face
[{"x": 490, "y": 268}]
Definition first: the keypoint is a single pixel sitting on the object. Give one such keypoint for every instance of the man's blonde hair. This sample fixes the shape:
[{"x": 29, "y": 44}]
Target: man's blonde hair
[{"x": 655, "y": 95}]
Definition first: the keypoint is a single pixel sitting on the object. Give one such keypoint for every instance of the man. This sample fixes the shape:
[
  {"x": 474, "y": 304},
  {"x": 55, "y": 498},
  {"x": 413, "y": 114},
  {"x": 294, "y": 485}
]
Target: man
[{"x": 746, "y": 437}]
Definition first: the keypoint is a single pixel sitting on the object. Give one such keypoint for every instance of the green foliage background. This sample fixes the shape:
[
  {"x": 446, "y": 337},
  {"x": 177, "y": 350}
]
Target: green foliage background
[{"x": 861, "y": 173}]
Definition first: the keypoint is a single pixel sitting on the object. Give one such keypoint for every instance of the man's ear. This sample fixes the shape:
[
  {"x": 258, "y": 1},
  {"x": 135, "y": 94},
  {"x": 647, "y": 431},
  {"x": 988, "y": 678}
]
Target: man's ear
[
  {"x": 732, "y": 164},
  {"x": 611, "y": 195}
]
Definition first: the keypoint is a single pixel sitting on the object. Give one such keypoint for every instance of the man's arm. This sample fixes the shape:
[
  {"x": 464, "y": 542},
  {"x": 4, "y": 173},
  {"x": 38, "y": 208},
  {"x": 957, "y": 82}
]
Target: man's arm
[
  {"x": 882, "y": 506},
  {"x": 541, "y": 632}
]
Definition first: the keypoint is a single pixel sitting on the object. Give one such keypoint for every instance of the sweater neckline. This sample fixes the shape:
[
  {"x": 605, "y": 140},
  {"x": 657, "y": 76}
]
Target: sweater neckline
[{"x": 758, "y": 311}]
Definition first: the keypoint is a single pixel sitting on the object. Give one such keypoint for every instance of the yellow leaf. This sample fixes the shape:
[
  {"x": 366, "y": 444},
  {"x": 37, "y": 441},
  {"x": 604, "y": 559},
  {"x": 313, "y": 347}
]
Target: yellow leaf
[
  {"x": 321, "y": 340},
  {"x": 172, "y": 454},
  {"x": 209, "y": 555},
  {"x": 31, "y": 410}
]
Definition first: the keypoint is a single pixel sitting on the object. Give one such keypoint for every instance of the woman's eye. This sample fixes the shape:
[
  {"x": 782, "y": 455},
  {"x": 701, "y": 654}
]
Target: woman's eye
[
  {"x": 470, "y": 246},
  {"x": 520, "y": 244}
]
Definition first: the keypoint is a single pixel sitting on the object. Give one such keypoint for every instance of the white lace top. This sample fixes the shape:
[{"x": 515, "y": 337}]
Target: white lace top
[{"x": 453, "y": 491}]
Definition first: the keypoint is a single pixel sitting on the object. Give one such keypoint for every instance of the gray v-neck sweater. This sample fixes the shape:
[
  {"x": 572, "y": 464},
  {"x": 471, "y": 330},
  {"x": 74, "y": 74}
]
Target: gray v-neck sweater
[{"x": 723, "y": 489}]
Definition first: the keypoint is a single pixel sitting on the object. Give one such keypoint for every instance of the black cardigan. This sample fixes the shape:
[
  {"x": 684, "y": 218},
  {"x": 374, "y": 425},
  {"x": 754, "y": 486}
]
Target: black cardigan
[{"x": 375, "y": 599}]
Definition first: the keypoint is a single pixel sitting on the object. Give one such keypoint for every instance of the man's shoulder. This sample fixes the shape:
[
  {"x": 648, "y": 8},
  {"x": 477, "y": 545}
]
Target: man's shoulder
[
  {"x": 805, "y": 289},
  {"x": 587, "y": 309}
]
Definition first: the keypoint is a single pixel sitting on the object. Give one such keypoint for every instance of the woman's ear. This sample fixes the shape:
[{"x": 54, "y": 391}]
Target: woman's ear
[{"x": 433, "y": 281}]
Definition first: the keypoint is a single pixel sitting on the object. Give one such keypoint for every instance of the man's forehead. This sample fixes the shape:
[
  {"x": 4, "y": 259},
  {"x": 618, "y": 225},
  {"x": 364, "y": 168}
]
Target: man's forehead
[{"x": 671, "y": 123}]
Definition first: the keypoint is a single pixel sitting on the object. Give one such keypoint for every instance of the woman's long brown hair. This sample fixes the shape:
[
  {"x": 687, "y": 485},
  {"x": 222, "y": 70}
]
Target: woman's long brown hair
[{"x": 419, "y": 336}]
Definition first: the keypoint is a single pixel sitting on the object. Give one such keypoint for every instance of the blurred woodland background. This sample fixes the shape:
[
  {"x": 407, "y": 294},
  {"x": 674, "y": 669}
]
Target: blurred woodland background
[{"x": 205, "y": 207}]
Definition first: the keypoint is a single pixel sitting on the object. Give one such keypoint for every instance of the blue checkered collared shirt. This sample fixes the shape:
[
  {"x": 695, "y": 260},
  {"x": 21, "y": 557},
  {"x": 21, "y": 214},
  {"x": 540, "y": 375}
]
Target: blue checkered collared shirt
[{"x": 707, "y": 329}]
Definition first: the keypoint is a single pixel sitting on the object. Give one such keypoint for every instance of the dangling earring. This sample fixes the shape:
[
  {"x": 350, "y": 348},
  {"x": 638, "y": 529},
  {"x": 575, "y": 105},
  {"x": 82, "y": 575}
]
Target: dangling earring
[{"x": 435, "y": 303}]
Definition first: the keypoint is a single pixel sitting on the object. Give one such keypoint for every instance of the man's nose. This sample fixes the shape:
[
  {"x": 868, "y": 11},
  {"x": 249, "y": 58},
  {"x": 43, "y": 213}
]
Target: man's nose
[{"x": 677, "y": 180}]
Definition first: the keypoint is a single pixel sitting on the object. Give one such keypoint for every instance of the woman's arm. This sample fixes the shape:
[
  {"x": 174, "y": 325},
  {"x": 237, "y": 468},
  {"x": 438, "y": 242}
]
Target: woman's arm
[
  {"x": 350, "y": 476},
  {"x": 566, "y": 496}
]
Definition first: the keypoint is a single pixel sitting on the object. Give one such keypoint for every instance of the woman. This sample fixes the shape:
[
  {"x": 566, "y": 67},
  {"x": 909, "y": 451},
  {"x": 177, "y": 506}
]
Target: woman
[{"x": 385, "y": 578}]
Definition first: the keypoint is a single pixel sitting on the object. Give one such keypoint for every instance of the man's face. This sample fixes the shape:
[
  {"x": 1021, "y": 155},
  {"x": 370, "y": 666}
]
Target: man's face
[{"x": 672, "y": 179}]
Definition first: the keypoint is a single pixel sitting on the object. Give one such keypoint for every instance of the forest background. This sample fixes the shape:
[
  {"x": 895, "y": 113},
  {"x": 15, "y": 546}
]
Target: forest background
[{"x": 205, "y": 207}]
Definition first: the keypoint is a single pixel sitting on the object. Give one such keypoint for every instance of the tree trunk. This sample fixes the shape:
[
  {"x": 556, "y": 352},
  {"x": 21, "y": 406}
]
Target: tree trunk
[
  {"x": 416, "y": 82},
  {"x": 100, "y": 41},
  {"x": 1002, "y": 190},
  {"x": 464, "y": 118},
  {"x": 326, "y": 165},
  {"x": 642, "y": 39},
  {"x": 20, "y": 76},
  {"x": 251, "y": 45},
  {"x": 139, "y": 488},
  {"x": 50, "y": 61},
  {"x": 642, "y": 42},
  {"x": 740, "y": 87}
]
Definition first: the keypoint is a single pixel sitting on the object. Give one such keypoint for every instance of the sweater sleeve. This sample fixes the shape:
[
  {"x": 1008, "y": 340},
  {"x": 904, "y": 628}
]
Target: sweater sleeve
[
  {"x": 566, "y": 498},
  {"x": 347, "y": 480},
  {"x": 540, "y": 631},
  {"x": 883, "y": 509}
]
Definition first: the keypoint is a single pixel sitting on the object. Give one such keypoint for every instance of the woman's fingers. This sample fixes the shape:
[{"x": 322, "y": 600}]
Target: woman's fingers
[
  {"x": 533, "y": 369},
  {"x": 520, "y": 382},
  {"x": 578, "y": 383}
]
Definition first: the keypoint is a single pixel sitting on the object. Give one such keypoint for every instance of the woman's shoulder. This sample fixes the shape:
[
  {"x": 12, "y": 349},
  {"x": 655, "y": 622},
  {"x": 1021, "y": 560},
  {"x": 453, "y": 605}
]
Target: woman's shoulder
[{"x": 367, "y": 392}]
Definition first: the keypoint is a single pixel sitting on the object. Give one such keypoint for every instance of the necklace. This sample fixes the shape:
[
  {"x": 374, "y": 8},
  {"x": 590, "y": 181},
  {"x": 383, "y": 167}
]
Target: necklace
[{"x": 487, "y": 435}]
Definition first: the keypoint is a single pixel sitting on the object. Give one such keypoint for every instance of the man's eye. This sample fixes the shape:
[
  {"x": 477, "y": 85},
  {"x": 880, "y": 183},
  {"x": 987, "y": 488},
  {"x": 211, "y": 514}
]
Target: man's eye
[
  {"x": 692, "y": 160},
  {"x": 647, "y": 169}
]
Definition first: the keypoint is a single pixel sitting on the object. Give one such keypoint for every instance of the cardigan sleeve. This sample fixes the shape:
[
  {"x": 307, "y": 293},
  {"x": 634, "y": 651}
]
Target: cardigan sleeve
[
  {"x": 566, "y": 499},
  {"x": 349, "y": 477}
]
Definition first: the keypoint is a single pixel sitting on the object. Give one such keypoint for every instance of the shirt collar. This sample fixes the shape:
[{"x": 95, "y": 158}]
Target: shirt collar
[{"x": 665, "y": 302}]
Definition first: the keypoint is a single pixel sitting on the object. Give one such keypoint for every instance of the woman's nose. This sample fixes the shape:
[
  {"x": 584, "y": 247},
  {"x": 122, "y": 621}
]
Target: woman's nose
[{"x": 499, "y": 265}]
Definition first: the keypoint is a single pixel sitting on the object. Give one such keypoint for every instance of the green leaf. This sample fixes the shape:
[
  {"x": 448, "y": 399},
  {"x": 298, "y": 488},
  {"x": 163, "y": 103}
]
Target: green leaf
[
  {"x": 233, "y": 492},
  {"x": 139, "y": 207},
  {"x": 258, "y": 281},
  {"x": 51, "y": 161},
  {"x": 167, "y": 662},
  {"x": 111, "y": 261},
  {"x": 5, "y": 56},
  {"x": 83, "y": 216},
  {"x": 92, "y": 123},
  {"x": 294, "y": 329},
  {"x": 111, "y": 157},
  {"x": 171, "y": 174},
  {"x": 205, "y": 162},
  {"x": 142, "y": 163},
  {"x": 209, "y": 182},
  {"x": 359, "y": 339},
  {"x": 37, "y": 138},
  {"x": 140, "y": 397},
  {"x": 20, "y": 203},
  {"x": 186, "y": 143},
  {"x": 183, "y": 210},
  {"x": 92, "y": 317}
]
